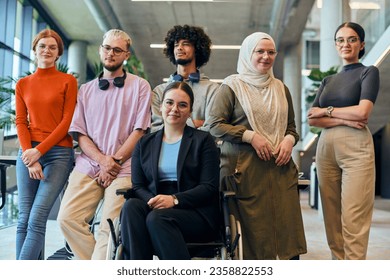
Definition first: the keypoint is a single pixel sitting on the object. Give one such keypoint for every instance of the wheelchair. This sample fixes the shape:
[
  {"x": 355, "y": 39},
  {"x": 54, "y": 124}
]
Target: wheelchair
[{"x": 228, "y": 246}]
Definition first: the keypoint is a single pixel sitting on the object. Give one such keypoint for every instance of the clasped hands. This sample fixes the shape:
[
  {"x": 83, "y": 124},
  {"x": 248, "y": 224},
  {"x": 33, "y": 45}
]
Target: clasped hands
[
  {"x": 30, "y": 159},
  {"x": 109, "y": 170},
  {"x": 264, "y": 150}
]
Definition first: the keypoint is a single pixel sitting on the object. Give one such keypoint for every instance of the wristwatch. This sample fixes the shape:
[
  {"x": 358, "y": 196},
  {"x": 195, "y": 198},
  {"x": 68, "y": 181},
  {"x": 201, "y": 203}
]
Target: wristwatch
[
  {"x": 175, "y": 200},
  {"x": 329, "y": 111},
  {"x": 118, "y": 161}
]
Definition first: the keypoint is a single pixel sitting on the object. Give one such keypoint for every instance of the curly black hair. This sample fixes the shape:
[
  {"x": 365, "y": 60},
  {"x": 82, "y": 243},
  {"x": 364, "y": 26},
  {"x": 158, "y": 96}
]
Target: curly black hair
[{"x": 196, "y": 36}]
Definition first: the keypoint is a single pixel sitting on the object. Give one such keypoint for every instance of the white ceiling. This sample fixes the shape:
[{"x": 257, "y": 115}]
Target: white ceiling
[{"x": 227, "y": 22}]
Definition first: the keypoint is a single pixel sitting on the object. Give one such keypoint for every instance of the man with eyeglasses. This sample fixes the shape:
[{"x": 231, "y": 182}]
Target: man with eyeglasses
[
  {"x": 188, "y": 48},
  {"x": 112, "y": 114}
]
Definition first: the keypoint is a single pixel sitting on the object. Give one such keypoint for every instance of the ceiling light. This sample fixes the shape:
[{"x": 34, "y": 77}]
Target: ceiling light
[
  {"x": 215, "y": 47},
  {"x": 172, "y": 0},
  {"x": 225, "y": 47},
  {"x": 364, "y": 6},
  {"x": 157, "y": 46},
  {"x": 357, "y": 5}
]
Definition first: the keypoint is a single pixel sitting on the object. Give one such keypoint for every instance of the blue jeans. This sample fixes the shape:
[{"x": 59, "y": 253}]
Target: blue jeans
[{"x": 37, "y": 197}]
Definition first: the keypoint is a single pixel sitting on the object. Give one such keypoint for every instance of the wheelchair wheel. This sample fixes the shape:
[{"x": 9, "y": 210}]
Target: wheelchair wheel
[
  {"x": 235, "y": 227},
  {"x": 240, "y": 255},
  {"x": 224, "y": 254},
  {"x": 113, "y": 240},
  {"x": 119, "y": 252},
  {"x": 68, "y": 251}
]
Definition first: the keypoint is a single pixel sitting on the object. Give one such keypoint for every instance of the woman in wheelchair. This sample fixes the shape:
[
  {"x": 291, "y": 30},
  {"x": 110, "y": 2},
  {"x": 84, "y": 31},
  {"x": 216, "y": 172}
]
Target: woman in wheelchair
[{"x": 175, "y": 177}]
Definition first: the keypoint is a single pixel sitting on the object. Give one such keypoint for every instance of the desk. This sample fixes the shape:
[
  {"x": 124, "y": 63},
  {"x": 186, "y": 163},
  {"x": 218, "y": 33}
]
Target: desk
[{"x": 5, "y": 162}]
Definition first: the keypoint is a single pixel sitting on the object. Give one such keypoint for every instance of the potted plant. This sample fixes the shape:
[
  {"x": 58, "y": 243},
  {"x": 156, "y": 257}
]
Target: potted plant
[{"x": 7, "y": 112}]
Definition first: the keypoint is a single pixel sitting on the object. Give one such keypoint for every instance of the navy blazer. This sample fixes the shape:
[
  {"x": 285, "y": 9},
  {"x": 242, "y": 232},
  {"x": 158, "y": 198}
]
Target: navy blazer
[{"x": 197, "y": 171}]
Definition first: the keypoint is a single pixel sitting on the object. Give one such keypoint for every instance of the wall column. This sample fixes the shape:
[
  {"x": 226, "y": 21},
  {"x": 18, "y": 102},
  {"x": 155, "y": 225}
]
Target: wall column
[
  {"x": 77, "y": 60},
  {"x": 333, "y": 13},
  {"x": 292, "y": 77}
]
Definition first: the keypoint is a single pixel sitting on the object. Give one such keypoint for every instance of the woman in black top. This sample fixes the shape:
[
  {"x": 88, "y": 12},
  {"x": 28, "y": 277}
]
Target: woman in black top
[{"x": 345, "y": 151}]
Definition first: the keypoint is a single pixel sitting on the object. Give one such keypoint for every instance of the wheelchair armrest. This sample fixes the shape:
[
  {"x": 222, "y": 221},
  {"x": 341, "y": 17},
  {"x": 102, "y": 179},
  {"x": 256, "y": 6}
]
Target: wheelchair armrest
[
  {"x": 228, "y": 194},
  {"x": 126, "y": 192}
]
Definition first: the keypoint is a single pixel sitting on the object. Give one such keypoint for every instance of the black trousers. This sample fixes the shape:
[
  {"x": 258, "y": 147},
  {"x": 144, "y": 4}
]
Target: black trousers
[{"x": 162, "y": 232}]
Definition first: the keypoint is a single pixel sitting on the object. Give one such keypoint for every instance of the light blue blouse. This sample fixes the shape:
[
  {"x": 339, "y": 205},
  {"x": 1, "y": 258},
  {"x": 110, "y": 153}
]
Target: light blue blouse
[{"x": 167, "y": 164}]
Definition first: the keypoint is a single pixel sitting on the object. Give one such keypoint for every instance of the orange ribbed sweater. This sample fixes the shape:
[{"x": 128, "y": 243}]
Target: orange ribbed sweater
[{"x": 45, "y": 102}]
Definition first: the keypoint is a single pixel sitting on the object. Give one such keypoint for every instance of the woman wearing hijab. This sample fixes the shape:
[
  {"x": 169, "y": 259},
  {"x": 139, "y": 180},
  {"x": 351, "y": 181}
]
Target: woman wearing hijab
[{"x": 253, "y": 116}]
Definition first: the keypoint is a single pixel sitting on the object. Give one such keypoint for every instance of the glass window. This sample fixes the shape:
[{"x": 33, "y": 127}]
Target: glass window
[{"x": 372, "y": 16}]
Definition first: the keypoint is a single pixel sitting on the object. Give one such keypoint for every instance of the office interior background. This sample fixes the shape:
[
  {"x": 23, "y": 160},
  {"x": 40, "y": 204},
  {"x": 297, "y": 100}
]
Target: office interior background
[{"x": 303, "y": 31}]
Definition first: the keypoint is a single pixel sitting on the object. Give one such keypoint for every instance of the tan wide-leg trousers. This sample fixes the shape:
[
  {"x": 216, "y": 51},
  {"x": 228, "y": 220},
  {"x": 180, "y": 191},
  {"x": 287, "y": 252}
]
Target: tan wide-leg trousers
[
  {"x": 346, "y": 173},
  {"x": 78, "y": 206}
]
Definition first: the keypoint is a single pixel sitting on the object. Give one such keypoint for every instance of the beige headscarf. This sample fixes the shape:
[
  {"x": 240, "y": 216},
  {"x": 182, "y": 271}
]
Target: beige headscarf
[{"x": 261, "y": 96}]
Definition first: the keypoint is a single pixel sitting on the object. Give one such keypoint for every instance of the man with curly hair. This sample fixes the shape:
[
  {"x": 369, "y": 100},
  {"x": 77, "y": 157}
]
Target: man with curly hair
[{"x": 188, "y": 48}]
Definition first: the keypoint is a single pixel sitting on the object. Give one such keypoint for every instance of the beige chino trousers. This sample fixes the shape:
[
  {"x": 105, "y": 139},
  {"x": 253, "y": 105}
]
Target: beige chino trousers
[
  {"x": 78, "y": 207},
  {"x": 346, "y": 173}
]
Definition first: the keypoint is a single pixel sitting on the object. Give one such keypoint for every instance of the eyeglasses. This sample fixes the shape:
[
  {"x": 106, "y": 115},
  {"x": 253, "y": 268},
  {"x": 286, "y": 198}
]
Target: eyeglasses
[
  {"x": 51, "y": 48},
  {"x": 116, "y": 51},
  {"x": 341, "y": 41},
  {"x": 271, "y": 53},
  {"x": 169, "y": 104}
]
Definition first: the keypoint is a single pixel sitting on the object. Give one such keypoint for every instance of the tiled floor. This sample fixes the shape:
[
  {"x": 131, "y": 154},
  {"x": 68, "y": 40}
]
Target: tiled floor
[
  {"x": 379, "y": 242},
  {"x": 379, "y": 245},
  {"x": 54, "y": 241}
]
